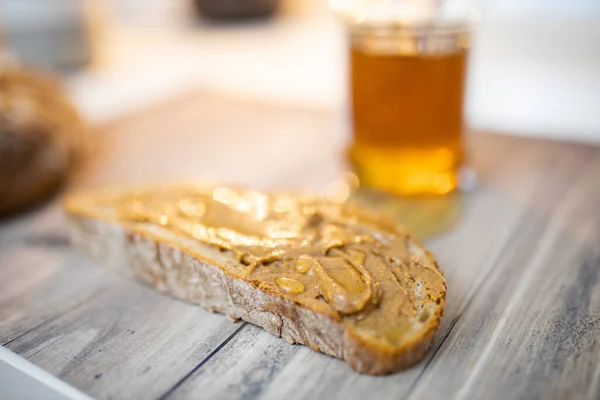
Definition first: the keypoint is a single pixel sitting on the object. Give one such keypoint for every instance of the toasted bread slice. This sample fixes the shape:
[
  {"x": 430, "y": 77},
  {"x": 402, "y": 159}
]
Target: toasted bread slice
[{"x": 330, "y": 276}]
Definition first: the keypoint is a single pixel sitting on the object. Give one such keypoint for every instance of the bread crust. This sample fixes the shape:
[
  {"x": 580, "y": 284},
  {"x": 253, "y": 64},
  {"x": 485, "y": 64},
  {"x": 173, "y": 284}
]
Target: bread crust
[{"x": 40, "y": 135}]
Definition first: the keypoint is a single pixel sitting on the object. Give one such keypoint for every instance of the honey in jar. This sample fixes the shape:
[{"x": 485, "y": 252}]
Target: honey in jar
[{"x": 407, "y": 86}]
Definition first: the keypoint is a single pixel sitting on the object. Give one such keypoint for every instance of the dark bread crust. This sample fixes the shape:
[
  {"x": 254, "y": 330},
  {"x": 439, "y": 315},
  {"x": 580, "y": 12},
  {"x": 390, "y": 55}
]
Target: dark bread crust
[
  {"x": 32, "y": 166},
  {"x": 171, "y": 270},
  {"x": 40, "y": 134}
]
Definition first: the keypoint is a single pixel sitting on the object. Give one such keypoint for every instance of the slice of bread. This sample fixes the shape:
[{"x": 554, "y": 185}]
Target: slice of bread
[{"x": 330, "y": 276}]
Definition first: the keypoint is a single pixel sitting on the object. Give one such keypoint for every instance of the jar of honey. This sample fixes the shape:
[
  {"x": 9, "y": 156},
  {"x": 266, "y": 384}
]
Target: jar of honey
[{"x": 408, "y": 65}]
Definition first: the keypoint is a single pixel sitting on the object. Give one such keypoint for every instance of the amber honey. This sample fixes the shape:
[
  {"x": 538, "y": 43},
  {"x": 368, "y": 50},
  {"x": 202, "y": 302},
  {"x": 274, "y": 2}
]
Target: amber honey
[{"x": 407, "y": 113}]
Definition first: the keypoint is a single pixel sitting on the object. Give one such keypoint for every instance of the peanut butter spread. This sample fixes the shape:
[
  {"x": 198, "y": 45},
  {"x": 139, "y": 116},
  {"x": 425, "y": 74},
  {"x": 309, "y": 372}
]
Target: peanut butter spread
[{"x": 337, "y": 260}]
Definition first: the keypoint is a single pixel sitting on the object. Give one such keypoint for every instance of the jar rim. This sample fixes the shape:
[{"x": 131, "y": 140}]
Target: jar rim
[
  {"x": 408, "y": 20},
  {"x": 402, "y": 29}
]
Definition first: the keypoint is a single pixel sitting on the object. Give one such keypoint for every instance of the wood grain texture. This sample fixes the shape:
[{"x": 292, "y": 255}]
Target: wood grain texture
[
  {"x": 121, "y": 343},
  {"x": 41, "y": 278},
  {"x": 523, "y": 305}
]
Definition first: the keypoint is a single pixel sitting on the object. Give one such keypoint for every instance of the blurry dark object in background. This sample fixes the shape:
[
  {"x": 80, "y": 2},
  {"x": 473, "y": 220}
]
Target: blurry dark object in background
[
  {"x": 47, "y": 33},
  {"x": 40, "y": 132},
  {"x": 232, "y": 10}
]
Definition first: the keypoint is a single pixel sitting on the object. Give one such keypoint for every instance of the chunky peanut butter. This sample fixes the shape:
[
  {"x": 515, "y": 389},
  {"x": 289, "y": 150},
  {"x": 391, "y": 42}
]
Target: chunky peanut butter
[{"x": 335, "y": 259}]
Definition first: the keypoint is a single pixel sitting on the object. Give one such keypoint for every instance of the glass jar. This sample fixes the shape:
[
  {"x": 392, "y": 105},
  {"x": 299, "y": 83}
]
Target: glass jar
[{"x": 408, "y": 63}]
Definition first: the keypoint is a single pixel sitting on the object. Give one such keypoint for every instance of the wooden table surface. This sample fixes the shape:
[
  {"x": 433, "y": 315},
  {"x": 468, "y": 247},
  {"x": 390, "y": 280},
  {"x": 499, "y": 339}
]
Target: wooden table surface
[{"x": 522, "y": 317}]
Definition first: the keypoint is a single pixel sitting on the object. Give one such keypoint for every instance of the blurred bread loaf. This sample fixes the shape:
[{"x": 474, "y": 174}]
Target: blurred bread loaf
[{"x": 39, "y": 134}]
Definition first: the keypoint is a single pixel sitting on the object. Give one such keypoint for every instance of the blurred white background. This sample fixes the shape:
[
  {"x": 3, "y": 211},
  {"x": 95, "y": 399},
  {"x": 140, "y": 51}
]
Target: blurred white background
[{"x": 535, "y": 65}]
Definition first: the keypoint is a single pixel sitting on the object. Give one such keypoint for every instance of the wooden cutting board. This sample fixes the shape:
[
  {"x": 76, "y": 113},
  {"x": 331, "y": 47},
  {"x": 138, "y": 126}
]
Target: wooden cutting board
[{"x": 521, "y": 253}]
